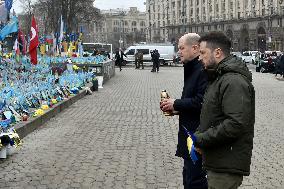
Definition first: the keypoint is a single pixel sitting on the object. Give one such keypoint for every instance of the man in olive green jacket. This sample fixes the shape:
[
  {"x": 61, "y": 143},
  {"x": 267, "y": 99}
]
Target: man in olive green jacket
[{"x": 225, "y": 134}]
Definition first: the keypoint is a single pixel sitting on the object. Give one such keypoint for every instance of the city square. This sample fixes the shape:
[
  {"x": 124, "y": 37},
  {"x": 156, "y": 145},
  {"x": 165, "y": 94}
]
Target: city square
[
  {"x": 119, "y": 138},
  {"x": 152, "y": 94}
]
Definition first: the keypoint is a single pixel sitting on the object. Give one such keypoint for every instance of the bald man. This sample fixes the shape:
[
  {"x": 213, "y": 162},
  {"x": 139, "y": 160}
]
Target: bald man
[{"x": 189, "y": 108}]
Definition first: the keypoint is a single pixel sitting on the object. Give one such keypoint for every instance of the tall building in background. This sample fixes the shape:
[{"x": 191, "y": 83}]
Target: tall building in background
[
  {"x": 250, "y": 24},
  {"x": 121, "y": 27},
  {"x": 3, "y": 13}
]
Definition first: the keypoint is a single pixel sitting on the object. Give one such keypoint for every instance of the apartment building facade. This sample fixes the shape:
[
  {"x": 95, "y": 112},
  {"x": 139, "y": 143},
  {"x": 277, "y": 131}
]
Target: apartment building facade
[
  {"x": 250, "y": 24},
  {"x": 121, "y": 27}
]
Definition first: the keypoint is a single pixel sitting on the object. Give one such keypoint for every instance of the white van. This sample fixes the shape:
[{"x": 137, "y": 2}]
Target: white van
[{"x": 166, "y": 51}]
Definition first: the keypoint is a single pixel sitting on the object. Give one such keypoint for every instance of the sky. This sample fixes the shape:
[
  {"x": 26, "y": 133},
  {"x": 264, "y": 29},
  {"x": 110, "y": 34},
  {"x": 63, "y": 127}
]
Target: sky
[
  {"x": 102, "y": 4},
  {"x": 112, "y": 4}
]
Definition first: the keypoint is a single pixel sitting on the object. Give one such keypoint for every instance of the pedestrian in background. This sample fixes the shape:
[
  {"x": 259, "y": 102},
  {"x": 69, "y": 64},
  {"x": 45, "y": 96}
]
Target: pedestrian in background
[
  {"x": 278, "y": 69},
  {"x": 225, "y": 134},
  {"x": 189, "y": 107},
  {"x": 282, "y": 65},
  {"x": 119, "y": 58},
  {"x": 136, "y": 59},
  {"x": 140, "y": 59},
  {"x": 156, "y": 61}
]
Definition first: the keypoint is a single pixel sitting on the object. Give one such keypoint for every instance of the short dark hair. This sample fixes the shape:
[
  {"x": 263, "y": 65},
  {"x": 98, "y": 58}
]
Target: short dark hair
[{"x": 216, "y": 40}]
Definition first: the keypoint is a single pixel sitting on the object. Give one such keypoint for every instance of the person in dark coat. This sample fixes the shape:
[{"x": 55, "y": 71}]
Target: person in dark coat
[
  {"x": 140, "y": 59},
  {"x": 282, "y": 65},
  {"x": 189, "y": 107},
  {"x": 225, "y": 134},
  {"x": 156, "y": 60},
  {"x": 119, "y": 58},
  {"x": 136, "y": 59},
  {"x": 278, "y": 69}
]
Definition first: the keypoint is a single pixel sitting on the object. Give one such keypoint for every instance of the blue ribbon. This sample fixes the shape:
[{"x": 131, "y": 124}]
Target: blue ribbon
[{"x": 192, "y": 153}]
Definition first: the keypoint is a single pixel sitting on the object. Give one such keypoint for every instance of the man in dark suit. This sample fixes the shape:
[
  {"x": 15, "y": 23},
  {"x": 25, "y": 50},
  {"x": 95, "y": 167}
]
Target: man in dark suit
[
  {"x": 119, "y": 58},
  {"x": 189, "y": 108}
]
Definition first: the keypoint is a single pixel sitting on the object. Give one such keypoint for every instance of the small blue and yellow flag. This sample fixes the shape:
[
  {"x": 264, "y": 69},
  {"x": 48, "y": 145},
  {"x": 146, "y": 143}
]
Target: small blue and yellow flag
[{"x": 190, "y": 145}]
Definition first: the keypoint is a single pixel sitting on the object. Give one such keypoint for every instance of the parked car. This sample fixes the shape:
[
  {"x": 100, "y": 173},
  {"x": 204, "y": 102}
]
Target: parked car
[
  {"x": 237, "y": 54},
  {"x": 249, "y": 56},
  {"x": 166, "y": 52},
  {"x": 176, "y": 59}
]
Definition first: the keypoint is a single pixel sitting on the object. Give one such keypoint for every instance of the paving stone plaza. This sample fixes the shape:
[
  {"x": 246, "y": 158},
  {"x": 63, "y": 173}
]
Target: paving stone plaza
[{"x": 118, "y": 138}]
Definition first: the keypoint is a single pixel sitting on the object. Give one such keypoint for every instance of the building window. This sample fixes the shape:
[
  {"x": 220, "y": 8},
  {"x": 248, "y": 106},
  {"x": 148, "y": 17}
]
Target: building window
[
  {"x": 142, "y": 24},
  {"x": 263, "y": 12},
  {"x": 231, "y": 5},
  {"x": 209, "y": 28},
  {"x": 178, "y": 4},
  {"x": 133, "y": 23},
  {"x": 280, "y": 22}
]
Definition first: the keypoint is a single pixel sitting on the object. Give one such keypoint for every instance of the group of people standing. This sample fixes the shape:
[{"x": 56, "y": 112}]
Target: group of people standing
[
  {"x": 216, "y": 113},
  {"x": 139, "y": 61}
]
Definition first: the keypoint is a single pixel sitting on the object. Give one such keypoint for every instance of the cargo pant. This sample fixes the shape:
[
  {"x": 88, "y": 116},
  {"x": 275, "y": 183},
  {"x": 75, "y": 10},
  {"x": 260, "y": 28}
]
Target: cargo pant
[{"x": 223, "y": 180}]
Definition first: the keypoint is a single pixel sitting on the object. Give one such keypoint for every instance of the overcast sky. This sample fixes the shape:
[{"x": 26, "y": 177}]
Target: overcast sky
[
  {"x": 103, "y": 4},
  {"x": 112, "y": 4}
]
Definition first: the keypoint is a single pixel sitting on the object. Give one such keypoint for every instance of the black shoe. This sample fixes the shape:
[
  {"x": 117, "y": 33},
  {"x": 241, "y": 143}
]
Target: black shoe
[
  {"x": 152, "y": 71},
  {"x": 120, "y": 69}
]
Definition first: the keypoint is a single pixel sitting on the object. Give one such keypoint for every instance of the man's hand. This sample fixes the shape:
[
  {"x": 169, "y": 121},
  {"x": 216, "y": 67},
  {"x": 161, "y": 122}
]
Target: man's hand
[
  {"x": 198, "y": 150},
  {"x": 167, "y": 105}
]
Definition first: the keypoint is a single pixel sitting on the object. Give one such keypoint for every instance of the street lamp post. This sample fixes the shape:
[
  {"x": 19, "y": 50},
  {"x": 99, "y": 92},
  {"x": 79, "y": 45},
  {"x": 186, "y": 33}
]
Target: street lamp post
[
  {"x": 121, "y": 29},
  {"x": 167, "y": 24},
  {"x": 270, "y": 11},
  {"x": 149, "y": 30}
]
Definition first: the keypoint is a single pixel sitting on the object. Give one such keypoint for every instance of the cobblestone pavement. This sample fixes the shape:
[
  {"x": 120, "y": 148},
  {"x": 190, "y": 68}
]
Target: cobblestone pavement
[{"x": 118, "y": 138}]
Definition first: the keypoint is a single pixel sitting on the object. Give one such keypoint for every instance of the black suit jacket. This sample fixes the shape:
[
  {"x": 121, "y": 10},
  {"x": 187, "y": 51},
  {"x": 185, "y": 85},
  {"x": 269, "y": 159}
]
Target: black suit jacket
[
  {"x": 119, "y": 57},
  {"x": 189, "y": 106}
]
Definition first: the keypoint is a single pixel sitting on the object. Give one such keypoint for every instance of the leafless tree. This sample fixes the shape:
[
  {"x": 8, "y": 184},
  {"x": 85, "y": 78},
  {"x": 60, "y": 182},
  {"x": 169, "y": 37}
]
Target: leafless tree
[
  {"x": 26, "y": 15},
  {"x": 72, "y": 11}
]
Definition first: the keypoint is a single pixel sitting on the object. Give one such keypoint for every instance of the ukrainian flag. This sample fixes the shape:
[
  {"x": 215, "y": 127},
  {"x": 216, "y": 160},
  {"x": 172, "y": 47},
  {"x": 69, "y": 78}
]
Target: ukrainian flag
[{"x": 11, "y": 27}]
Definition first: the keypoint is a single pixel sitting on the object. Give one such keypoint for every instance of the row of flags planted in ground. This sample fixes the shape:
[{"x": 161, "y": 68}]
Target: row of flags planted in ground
[
  {"x": 60, "y": 42},
  {"x": 13, "y": 27}
]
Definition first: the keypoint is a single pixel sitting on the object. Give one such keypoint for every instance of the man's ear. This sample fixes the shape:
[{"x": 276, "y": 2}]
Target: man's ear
[
  {"x": 218, "y": 53},
  {"x": 196, "y": 48}
]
